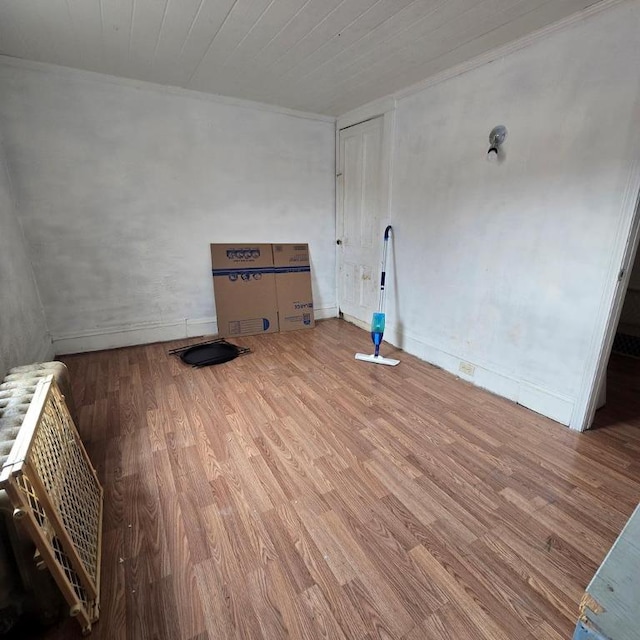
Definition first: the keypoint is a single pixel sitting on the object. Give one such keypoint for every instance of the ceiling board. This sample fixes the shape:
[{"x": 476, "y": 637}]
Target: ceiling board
[{"x": 323, "y": 56}]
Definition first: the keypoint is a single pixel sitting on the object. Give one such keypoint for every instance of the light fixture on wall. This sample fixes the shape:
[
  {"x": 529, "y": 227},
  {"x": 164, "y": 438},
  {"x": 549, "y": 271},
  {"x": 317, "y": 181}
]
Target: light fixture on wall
[{"x": 496, "y": 138}]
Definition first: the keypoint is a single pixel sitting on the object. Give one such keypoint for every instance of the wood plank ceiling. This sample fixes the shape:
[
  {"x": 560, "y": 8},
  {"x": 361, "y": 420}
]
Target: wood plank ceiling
[{"x": 323, "y": 56}]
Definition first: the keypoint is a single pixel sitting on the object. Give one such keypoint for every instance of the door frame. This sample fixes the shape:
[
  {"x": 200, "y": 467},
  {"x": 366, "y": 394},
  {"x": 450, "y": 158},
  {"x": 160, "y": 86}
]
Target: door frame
[
  {"x": 586, "y": 404},
  {"x": 384, "y": 108}
]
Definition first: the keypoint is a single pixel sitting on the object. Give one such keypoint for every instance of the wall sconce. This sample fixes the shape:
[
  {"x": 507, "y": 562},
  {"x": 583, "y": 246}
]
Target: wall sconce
[{"x": 496, "y": 138}]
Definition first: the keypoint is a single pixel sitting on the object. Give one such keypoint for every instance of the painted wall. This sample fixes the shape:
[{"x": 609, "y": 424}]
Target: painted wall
[
  {"x": 509, "y": 266},
  {"x": 23, "y": 330},
  {"x": 122, "y": 186}
]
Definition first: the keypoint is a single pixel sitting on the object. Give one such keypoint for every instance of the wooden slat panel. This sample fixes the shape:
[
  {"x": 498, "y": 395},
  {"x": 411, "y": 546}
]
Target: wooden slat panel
[
  {"x": 12, "y": 39},
  {"x": 276, "y": 18},
  {"x": 323, "y": 56},
  {"x": 117, "y": 22},
  {"x": 311, "y": 14},
  {"x": 36, "y": 38},
  {"x": 177, "y": 61},
  {"x": 147, "y": 21},
  {"x": 240, "y": 20},
  {"x": 86, "y": 20},
  {"x": 349, "y": 36},
  {"x": 398, "y": 70},
  {"x": 340, "y": 18},
  {"x": 175, "y": 34}
]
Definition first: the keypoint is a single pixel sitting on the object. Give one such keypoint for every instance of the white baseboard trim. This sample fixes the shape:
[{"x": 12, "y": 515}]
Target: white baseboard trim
[
  {"x": 201, "y": 327},
  {"x": 146, "y": 333},
  {"x": 548, "y": 403},
  {"x": 552, "y": 405},
  {"x": 359, "y": 323},
  {"x": 127, "y": 336},
  {"x": 322, "y": 313}
]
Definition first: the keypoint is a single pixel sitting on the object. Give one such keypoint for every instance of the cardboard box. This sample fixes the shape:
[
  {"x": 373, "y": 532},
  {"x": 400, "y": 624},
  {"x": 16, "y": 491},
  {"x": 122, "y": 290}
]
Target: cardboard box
[
  {"x": 261, "y": 288},
  {"x": 244, "y": 283},
  {"x": 293, "y": 286}
]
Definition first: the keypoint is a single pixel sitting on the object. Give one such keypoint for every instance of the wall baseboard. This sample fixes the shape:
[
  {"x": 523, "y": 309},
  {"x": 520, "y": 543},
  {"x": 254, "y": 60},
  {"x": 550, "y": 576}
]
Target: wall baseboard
[
  {"x": 359, "y": 323},
  {"x": 543, "y": 401},
  {"x": 146, "y": 333},
  {"x": 125, "y": 336},
  {"x": 325, "y": 312}
]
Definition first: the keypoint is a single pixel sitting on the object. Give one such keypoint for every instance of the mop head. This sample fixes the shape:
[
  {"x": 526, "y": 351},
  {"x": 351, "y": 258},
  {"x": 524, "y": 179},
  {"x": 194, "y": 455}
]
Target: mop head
[
  {"x": 392, "y": 362},
  {"x": 377, "y": 331}
]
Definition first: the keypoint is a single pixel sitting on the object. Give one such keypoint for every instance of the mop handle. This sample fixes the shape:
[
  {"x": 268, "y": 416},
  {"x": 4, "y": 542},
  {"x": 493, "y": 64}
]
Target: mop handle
[{"x": 383, "y": 273}]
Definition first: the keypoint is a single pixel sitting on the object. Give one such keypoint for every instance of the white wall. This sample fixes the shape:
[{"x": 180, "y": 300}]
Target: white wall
[
  {"x": 511, "y": 267},
  {"x": 23, "y": 330},
  {"x": 122, "y": 186}
]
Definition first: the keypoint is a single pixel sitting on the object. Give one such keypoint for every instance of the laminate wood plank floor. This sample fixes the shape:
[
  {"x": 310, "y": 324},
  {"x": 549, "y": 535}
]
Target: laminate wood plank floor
[{"x": 298, "y": 493}]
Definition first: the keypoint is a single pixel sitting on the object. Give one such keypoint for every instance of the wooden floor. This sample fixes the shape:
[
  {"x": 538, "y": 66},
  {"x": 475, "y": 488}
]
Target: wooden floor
[{"x": 298, "y": 493}]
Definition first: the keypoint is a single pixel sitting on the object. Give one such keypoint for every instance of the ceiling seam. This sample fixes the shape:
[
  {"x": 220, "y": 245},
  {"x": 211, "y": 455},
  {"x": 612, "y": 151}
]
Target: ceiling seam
[
  {"x": 215, "y": 35},
  {"x": 190, "y": 30},
  {"x": 293, "y": 17},
  {"x": 247, "y": 34},
  {"x": 315, "y": 69},
  {"x": 160, "y": 29},
  {"x": 400, "y": 52},
  {"x": 327, "y": 42},
  {"x": 407, "y": 28},
  {"x": 295, "y": 44},
  {"x": 131, "y": 22}
]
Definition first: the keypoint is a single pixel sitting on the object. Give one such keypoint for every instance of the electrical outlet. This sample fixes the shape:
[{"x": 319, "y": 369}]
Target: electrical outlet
[{"x": 467, "y": 368}]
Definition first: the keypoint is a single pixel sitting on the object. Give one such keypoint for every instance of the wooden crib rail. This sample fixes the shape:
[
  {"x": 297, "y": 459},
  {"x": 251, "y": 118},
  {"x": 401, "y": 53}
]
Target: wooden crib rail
[{"x": 56, "y": 495}]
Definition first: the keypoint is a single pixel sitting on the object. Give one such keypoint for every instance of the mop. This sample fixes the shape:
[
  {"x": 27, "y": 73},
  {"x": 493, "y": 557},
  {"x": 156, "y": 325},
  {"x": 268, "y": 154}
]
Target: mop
[{"x": 377, "y": 322}]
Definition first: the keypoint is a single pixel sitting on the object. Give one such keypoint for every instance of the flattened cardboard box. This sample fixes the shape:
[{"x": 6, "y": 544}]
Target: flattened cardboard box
[
  {"x": 293, "y": 286},
  {"x": 245, "y": 289},
  {"x": 262, "y": 288}
]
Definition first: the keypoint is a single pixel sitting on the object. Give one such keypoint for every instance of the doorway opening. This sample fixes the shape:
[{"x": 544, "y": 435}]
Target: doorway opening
[
  {"x": 619, "y": 397},
  {"x": 611, "y": 399}
]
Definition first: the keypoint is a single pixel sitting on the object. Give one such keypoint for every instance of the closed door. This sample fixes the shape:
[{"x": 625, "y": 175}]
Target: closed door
[{"x": 360, "y": 191}]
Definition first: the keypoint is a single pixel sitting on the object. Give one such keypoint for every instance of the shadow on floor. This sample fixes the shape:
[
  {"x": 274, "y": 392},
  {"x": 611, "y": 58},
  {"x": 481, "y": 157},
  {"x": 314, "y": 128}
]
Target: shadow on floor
[{"x": 623, "y": 393}]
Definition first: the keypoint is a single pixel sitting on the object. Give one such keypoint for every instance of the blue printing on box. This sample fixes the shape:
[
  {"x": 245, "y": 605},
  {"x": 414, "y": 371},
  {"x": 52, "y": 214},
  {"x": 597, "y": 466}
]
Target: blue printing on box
[
  {"x": 243, "y": 253},
  {"x": 246, "y": 274}
]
